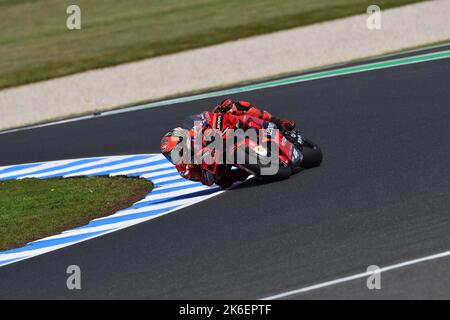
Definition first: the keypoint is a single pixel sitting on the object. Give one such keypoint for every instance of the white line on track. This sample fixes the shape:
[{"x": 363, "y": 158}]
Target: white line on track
[{"x": 357, "y": 276}]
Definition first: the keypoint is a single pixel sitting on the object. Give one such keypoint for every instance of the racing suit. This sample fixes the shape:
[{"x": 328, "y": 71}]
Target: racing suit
[
  {"x": 246, "y": 108},
  {"x": 250, "y": 116}
]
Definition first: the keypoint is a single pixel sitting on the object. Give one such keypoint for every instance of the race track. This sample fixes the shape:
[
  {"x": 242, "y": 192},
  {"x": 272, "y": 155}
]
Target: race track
[{"x": 382, "y": 196}]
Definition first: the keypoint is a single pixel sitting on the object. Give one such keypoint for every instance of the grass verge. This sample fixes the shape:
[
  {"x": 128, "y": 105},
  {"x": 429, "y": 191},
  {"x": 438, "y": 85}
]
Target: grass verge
[
  {"x": 31, "y": 209},
  {"x": 36, "y": 45}
]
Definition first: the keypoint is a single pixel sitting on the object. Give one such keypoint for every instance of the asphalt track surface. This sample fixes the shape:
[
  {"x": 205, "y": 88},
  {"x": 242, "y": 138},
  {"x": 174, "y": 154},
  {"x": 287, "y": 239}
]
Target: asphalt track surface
[{"x": 381, "y": 196}]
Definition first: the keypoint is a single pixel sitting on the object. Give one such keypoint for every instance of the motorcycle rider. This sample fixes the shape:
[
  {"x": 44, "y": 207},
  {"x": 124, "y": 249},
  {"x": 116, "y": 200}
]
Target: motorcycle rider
[
  {"x": 225, "y": 177},
  {"x": 240, "y": 108},
  {"x": 246, "y": 108}
]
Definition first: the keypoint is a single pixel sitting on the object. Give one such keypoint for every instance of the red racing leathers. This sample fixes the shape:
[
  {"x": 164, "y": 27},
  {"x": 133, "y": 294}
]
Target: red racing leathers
[
  {"x": 249, "y": 116},
  {"x": 223, "y": 176},
  {"x": 246, "y": 108}
]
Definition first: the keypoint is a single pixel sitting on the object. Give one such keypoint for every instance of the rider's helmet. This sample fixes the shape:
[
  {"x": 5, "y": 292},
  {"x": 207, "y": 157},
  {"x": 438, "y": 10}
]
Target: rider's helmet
[{"x": 170, "y": 140}]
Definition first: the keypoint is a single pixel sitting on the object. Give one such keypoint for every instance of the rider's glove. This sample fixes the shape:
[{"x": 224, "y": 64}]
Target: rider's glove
[
  {"x": 283, "y": 124},
  {"x": 224, "y": 107}
]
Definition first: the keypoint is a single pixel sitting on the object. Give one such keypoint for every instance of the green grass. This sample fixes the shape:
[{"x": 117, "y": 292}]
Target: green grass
[
  {"x": 31, "y": 209},
  {"x": 36, "y": 45}
]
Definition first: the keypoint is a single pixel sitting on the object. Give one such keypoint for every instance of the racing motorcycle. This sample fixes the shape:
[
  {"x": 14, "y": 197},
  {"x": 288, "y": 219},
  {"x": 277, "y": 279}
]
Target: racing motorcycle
[{"x": 260, "y": 149}]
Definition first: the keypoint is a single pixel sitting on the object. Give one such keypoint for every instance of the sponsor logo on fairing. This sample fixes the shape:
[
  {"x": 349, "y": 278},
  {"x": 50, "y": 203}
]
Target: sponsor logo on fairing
[
  {"x": 219, "y": 122},
  {"x": 270, "y": 130}
]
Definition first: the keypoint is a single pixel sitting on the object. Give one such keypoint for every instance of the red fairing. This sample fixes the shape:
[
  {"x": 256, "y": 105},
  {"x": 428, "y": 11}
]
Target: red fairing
[
  {"x": 240, "y": 108},
  {"x": 286, "y": 149},
  {"x": 219, "y": 123},
  {"x": 209, "y": 174}
]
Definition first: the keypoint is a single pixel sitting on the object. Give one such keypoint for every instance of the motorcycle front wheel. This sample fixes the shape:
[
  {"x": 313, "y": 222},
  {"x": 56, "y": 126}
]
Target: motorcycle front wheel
[{"x": 257, "y": 165}]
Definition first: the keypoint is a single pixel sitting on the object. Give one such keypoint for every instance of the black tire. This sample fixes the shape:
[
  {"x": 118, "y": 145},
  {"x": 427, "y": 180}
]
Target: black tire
[
  {"x": 312, "y": 155},
  {"x": 256, "y": 168}
]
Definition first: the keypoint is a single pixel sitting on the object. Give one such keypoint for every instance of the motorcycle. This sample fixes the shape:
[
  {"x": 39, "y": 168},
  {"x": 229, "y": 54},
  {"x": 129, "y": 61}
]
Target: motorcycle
[{"x": 266, "y": 146}]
